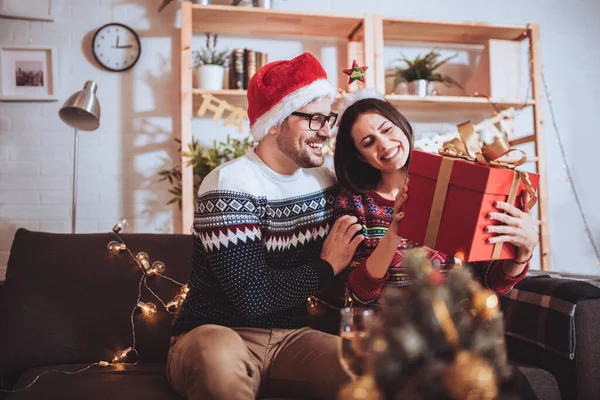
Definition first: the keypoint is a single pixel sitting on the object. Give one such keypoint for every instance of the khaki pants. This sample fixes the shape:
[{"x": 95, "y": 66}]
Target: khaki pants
[{"x": 215, "y": 362}]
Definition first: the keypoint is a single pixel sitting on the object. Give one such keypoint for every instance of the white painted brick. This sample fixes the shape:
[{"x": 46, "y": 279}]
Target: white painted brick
[
  {"x": 96, "y": 211},
  {"x": 17, "y": 182},
  {"x": 41, "y": 153},
  {"x": 56, "y": 226},
  {"x": 50, "y": 110},
  {"x": 59, "y": 168},
  {"x": 66, "y": 197},
  {"x": 19, "y": 197},
  {"x": 20, "y": 139},
  {"x": 35, "y": 212},
  {"x": 4, "y": 154},
  {"x": 5, "y": 124},
  {"x": 62, "y": 138},
  {"x": 82, "y": 10},
  {"x": 90, "y": 226},
  {"x": 99, "y": 184},
  {"x": 22, "y": 168},
  {"x": 110, "y": 197},
  {"x": 110, "y": 169},
  {"x": 8, "y": 28},
  {"x": 11, "y": 225},
  {"x": 29, "y": 122}
]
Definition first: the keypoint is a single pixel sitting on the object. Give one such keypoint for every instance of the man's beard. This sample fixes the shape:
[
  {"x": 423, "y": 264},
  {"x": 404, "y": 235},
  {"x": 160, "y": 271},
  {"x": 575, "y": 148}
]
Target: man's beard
[{"x": 303, "y": 157}]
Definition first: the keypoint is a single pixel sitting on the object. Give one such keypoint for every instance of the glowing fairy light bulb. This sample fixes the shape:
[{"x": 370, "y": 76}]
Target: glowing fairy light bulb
[
  {"x": 120, "y": 225},
  {"x": 116, "y": 247},
  {"x": 172, "y": 306},
  {"x": 158, "y": 267},
  {"x": 147, "y": 308},
  {"x": 311, "y": 303},
  {"x": 185, "y": 290},
  {"x": 122, "y": 355},
  {"x": 175, "y": 304},
  {"x": 143, "y": 261}
]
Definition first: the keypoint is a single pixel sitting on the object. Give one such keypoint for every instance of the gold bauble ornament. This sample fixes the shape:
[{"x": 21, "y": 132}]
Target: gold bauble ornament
[
  {"x": 364, "y": 388},
  {"x": 470, "y": 377},
  {"x": 485, "y": 303}
]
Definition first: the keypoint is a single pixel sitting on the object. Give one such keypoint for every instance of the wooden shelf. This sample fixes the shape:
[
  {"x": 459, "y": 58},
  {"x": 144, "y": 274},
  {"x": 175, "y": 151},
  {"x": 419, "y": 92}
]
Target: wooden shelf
[
  {"x": 256, "y": 21},
  {"x": 448, "y": 32},
  {"x": 233, "y": 96},
  {"x": 449, "y": 108},
  {"x": 419, "y": 109}
]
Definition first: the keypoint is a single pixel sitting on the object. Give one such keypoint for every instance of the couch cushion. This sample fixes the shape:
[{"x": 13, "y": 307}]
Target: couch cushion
[
  {"x": 543, "y": 383},
  {"x": 143, "y": 381},
  {"x": 547, "y": 300},
  {"x": 67, "y": 300}
]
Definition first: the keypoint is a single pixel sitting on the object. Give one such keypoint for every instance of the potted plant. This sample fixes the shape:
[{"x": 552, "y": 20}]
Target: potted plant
[
  {"x": 421, "y": 72},
  {"x": 203, "y": 160},
  {"x": 209, "y": 65}
]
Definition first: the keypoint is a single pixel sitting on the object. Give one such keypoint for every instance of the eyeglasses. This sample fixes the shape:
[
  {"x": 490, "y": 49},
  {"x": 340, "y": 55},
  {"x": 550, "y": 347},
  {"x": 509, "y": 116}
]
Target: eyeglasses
[{"x": 317, "y": 121}]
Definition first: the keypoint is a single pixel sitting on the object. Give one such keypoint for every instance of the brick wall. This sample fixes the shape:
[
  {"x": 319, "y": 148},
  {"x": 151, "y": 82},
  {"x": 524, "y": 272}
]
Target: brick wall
[{"x": 118, "y": 162}]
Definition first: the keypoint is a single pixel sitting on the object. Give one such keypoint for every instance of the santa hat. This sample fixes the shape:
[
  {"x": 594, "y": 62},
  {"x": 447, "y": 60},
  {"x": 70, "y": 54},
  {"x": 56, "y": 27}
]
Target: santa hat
[{"x": 282, "y": 87}]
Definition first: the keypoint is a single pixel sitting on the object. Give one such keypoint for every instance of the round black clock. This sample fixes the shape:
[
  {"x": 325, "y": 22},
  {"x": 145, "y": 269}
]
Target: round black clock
[{"x": 116, "y": 47}]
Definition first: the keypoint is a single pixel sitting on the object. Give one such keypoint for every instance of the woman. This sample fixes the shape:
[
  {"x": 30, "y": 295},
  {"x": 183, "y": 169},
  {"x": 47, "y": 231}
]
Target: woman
[{"x": 372, "y": 154}]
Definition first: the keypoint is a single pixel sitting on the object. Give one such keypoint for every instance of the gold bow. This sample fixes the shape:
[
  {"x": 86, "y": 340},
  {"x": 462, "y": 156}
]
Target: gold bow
[{"x": 467, "y": 147}]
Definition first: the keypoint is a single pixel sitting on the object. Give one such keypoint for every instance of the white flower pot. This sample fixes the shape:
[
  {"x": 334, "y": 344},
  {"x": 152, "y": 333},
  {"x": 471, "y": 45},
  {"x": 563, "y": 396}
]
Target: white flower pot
[
  {"x": 420, "y": 88},
  {"x": 210, "y": 77}
]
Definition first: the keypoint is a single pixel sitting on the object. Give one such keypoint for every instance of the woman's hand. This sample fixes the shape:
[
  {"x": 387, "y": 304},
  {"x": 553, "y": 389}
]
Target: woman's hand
[
  {"x": 518, "y": 230},
  {"x": 398, "y": 213}
]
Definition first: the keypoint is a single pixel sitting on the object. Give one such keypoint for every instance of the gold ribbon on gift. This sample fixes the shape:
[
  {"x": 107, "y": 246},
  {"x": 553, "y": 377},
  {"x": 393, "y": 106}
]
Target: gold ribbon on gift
[{"x": 467, "y": 148}]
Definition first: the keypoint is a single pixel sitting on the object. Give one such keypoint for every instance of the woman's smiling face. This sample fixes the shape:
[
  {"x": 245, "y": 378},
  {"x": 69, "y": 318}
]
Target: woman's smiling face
[{"x": 379, "y": 142}]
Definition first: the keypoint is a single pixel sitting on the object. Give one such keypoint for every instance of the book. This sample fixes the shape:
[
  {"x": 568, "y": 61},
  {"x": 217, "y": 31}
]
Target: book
[
  {"x": 237, "y": 69},
  {"x": 250, "y": 66}
]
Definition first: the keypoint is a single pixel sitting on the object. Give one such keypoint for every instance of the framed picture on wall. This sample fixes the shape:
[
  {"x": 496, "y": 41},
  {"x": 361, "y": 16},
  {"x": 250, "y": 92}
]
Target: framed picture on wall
[
  {"x": 28, "y": 73},
  {"x": 40, "y": 10}
]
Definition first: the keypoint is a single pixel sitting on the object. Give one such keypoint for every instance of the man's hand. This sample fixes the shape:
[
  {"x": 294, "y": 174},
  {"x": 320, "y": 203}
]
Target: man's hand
[{"x": 340, "y": 244}]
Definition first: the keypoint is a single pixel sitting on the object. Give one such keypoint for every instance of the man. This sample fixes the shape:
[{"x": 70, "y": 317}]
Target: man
[{"x": 264, "y": 243}]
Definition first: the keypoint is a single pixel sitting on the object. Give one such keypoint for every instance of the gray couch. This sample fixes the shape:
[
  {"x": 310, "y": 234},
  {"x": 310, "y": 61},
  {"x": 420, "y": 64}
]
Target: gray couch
[{"x": 67, "y": 302}]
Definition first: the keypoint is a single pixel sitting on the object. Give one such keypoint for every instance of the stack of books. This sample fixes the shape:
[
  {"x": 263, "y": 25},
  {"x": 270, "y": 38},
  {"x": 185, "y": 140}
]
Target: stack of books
[{"x": 243, "y": 65}]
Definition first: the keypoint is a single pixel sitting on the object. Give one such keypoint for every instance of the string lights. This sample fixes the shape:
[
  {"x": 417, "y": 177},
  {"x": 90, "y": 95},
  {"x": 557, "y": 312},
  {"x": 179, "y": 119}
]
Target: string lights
[
  {"x": 147, "y": 308},
  {"x": 116, "y": 247},
  {"x": 129, "y": 355}
]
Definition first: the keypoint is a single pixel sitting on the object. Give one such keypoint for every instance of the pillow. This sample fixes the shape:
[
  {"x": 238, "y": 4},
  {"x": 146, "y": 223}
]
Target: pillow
[{"x": 66, "y": 299}]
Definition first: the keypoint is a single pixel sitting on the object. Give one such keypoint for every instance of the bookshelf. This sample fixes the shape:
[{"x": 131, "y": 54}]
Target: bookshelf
[{"x": 365, "y": 37}]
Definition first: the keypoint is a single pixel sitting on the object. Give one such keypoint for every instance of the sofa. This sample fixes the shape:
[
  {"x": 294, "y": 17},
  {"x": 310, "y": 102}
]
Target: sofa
[{"x": 67, "y": 303}]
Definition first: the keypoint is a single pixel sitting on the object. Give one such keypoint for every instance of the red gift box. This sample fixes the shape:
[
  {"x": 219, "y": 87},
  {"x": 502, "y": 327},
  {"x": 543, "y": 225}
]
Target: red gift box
[{"x": 456, "y": 224}]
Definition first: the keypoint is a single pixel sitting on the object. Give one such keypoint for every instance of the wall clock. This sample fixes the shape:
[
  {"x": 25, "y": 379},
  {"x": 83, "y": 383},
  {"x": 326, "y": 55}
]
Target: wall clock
[{"x": 116, "y": 47}]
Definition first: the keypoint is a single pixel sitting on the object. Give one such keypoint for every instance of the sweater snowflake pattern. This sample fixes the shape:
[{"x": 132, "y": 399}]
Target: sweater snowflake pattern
[{"x": 257, "y": 244}]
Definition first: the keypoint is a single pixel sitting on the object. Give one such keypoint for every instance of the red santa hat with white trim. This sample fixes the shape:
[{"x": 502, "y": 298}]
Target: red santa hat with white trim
[{"x": 282, "y": 87}]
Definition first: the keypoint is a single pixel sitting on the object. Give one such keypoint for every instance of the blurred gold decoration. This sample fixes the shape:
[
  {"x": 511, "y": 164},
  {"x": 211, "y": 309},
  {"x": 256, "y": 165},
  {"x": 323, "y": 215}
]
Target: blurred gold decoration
[
  {"x": 436, "y": 339},
  {"x": 470, "y": 377},
  {"x": 364, "y": 388}
]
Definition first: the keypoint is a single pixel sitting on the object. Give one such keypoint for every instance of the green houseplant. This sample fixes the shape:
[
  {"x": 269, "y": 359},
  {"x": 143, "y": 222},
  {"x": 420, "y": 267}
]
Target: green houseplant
[
  {"x": 419, "y": 72},
  {"x": 209, "y": 64},
  {"x": 203, "y": 160}
]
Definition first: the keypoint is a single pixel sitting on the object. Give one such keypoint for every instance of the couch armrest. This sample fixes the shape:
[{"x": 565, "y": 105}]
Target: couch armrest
[{"x": 551, "y": 322}]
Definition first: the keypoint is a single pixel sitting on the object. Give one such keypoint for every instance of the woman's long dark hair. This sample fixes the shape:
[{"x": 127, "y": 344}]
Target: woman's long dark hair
[{"x": 351, "y": 172}]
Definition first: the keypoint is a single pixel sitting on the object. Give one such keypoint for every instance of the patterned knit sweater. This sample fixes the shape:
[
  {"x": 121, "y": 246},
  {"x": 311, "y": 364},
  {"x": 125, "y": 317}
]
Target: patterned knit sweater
[
  {"x": 375, "y": 214},
  {"x": 257, "y": 244}
]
